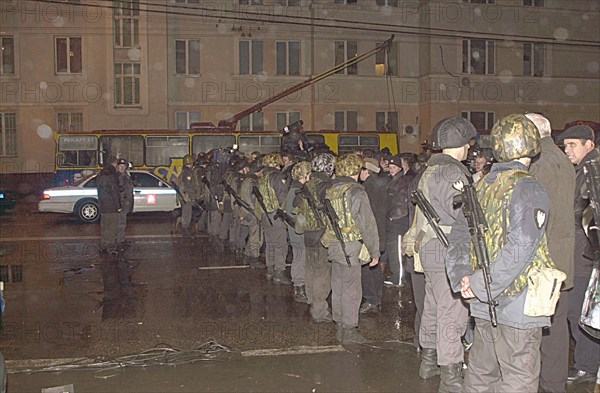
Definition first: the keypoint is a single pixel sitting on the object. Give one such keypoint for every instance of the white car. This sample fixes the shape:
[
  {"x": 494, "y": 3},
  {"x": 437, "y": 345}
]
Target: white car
[{"x": 150, "y": 194}]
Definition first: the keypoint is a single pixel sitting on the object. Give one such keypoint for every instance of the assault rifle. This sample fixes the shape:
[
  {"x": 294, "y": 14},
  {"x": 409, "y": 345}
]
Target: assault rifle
[
  {"x": 592, "y": 182},
  {"x": 430, "y": 214},
  {"x": 261, "y": 202},
  {"x": 281, "y": 215},
  {"x": 477, "y": 227},
  {"x": 312, "y": 203},
  {"x": 333, "y": 220},
  {"x": 237, "y": 198},
  {"x": 195, "y": 203}
]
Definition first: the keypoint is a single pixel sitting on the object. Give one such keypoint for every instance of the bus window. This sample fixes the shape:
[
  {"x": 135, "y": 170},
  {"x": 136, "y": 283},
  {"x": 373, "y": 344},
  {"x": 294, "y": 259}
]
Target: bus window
[
  {"x": 77, "y": 150},
  {"x": 261, "y": 143},
  {"x": 350, "y": 143},
  {"x": 160, "y": 149},
  {"x": 205, "y": 143},
  {"x": 129, "y": 147},
  {"x": 316, "y": 139}
]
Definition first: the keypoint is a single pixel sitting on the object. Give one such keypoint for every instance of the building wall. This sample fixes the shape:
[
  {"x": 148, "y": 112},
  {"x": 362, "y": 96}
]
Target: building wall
[{"x": 430, "y": 83}]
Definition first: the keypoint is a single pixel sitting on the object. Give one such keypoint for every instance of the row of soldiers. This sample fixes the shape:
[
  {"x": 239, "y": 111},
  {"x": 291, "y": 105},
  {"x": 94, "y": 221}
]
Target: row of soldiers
[{"x": 330, "y": 221}]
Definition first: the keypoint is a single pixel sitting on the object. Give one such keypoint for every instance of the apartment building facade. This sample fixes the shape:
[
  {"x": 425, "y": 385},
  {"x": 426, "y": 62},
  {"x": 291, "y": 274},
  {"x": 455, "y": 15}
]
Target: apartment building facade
[{"x": 163, "y": 64}]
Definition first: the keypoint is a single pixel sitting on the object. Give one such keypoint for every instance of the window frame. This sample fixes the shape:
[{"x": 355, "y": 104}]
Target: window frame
[
  {"x": 386, "y": 121},
  {"x": 252, "y": 60},
  {"x": 188, "y": 118},
  {"x": 3, "y": 63},
  {"x": 188, "y": 49},
  {"x": 288, "y": 58},
  {"x": 8, "y": 135},
  {"x": 71, "y": 118},
  {"x": 352, "y": 69},
  {"x": 253, "y": 122},
  {"x": 490, "y": 56},
  {"x": 346, "y": 127},
  {"x": 537, "y": 53},
  {"x": 123, "y": 11},
  {"x": 120, "y": 88},
  {"x": 490, "y": 118},
  {"x": 290, "y": 117},
  {"x": 68, "y": 55}
]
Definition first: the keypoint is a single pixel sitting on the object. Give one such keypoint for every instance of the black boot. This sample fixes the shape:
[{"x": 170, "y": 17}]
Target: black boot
[
  {"x": 352, "y": 336},
  {"x": 300, "y": 294},
  {"x": 429, "y": 367},
  {"x": 451, "y": 378}
]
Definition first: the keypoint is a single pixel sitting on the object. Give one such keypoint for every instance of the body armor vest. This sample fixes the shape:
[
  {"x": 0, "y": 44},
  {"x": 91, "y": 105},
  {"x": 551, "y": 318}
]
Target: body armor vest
[
  {"x": 495, "y": 202},
  {"x": 312, "y": 224},
  {"x": 338, "y": 195},
  {"x": 268, "y": 192}
]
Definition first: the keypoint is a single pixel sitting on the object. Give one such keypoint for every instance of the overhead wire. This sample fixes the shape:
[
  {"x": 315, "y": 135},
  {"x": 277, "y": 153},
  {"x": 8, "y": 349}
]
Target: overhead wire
[{"x": 310, "y": 22}]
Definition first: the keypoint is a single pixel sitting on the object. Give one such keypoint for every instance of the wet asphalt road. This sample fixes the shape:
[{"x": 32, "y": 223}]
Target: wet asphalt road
[{"x": 64, "y": 300}]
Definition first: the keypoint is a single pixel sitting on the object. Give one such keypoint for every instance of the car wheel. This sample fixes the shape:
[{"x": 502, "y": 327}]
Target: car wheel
[{"x": 87, "y": 211}]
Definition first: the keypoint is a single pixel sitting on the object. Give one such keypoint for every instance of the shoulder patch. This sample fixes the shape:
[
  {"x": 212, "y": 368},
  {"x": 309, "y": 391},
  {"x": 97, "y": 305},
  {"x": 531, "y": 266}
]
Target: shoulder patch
[{"x": 540, "y": 218}]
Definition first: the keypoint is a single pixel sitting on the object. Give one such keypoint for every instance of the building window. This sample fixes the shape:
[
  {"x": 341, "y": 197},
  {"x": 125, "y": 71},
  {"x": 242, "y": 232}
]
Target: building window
[
  {"x": 251, "y": 2},
  {"x": 480, "y": 1},
  {"x": 533, "y": 3},
  {"x": 289, "y": 3},
  {"x": 386, "y": 121},
  {"x": 346, "y": 120},
  {"x": 286, "y": 118},
  {"x": 127, "y": 84},
  {"x": 533, "y": 59},
  {"x": 187, "y": 57},
  {"x": 8, "y": 134},
  {"x": 126, "y": 23},
  {"x": 481, "y": 120},
  {"x": 68, "y": 55},
  {"x": 251, "y": 57},
  {"x": 69, "y": 121},
  {"x": 7, "y": 61},
  {"x": 188, "y": 1},
  {"x": 478, "y": 57},
  {"x": 391, "y": 62},
  {"x": 185, "y": 119},
  {"x": 288, "y": 57},
  {"x": 252, "y": 122},
  {"x": 350, "y": 2},
  {"x": 388, "y": 3},
  {"x": 344, "y": 51}
]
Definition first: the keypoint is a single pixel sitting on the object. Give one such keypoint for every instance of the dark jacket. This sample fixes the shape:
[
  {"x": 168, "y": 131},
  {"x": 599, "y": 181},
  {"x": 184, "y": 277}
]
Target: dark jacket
[
  {"x": 109, "y": 197},
  {"x": 379, "y": 199},
  {"x": 584, "y": 245},
  {"x": 556, "y": 173},
  {"x": 126, "y": 191},
  {"x": 397, "y": 190},
  {"x": 446, "y": 171}
]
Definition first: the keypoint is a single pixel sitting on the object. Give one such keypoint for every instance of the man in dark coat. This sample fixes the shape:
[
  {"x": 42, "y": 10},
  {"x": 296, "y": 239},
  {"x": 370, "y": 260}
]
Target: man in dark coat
[
  {"x": 109, "y": 203},
  {"x": 371, "y": 276},
  {"x": 556, "y": 173},
  {"x": 580, "y": 148}
]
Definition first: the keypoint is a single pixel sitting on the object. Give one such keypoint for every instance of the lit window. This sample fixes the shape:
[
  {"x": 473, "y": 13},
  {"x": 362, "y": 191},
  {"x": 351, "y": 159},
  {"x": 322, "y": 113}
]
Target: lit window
[{"x": 391, "y": 61}]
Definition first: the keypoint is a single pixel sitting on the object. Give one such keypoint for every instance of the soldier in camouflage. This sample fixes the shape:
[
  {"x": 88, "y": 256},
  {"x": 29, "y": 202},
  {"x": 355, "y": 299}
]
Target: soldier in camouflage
[
  {"x": 273, "y": 187},
  {"x": 515, "y": 204},
  {"x": 317, "y": 268},
  {"x": 361, "y": 245}
]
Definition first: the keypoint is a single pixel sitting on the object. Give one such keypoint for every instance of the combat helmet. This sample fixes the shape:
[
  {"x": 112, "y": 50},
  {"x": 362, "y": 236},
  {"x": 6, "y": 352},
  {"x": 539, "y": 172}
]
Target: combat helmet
[
  {"x": 324, "y": 162},
  {"x": 273, "y": 160},
  {"x": 188, "y": 159},
  {"x": 301, "y": 170},
  {"x": 349, "y": 165},
  {"x": 514, "y": 136}
]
